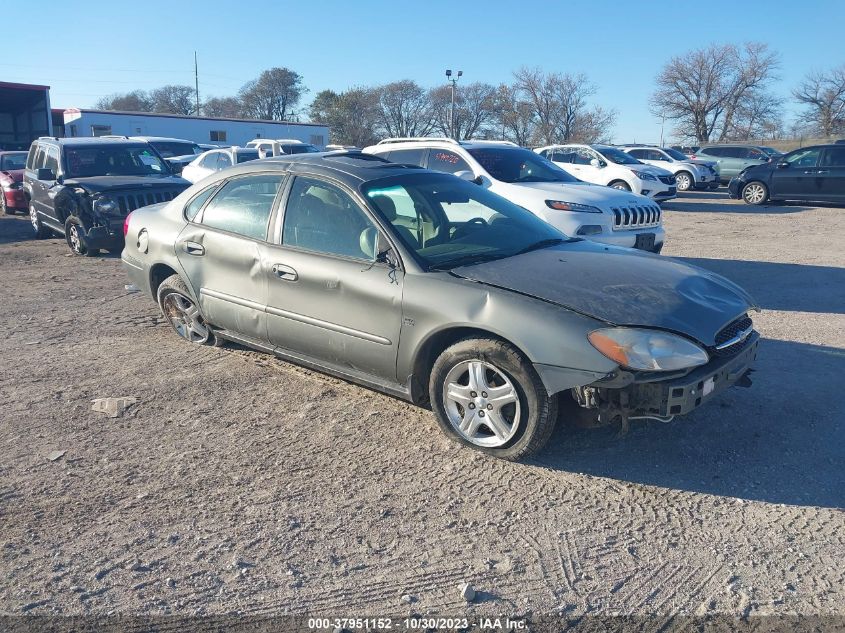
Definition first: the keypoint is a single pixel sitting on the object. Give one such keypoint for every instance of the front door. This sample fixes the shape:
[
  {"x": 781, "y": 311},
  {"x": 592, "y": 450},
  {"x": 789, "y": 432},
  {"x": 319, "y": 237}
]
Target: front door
[
  {"x": 328, "y": 299},
  {"x": 582, "y": 168},
  {"x": 220, "y": 252},
  {"x": 831, "y": 171},
  {"x": 796, "y": 175}
]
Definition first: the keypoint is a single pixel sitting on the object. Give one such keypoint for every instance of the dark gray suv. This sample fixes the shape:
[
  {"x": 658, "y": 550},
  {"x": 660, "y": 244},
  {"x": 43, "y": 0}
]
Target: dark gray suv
[
  {"x": 431, "y": 288},
  {"x": 83, "y": 188}
]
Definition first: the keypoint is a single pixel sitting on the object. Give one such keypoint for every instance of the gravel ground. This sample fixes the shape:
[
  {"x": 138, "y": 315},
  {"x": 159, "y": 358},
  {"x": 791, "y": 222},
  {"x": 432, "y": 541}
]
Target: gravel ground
[{"x": 240, "y": 483}]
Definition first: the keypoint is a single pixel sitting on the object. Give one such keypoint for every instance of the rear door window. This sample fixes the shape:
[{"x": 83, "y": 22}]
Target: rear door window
[
  {"x": 243, "y": 205},
  {"x": 223, "y": 161},
  {"x": 833, "y": 157},
  {"x": 210, "y": 160},
  {"x": 446, "y": 161}
]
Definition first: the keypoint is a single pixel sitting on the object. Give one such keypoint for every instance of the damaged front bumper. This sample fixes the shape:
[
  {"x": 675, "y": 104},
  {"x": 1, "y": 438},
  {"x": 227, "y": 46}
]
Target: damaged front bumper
[
  {"x": 104, "y": 235},
  {"x": 631, "y": 395}
]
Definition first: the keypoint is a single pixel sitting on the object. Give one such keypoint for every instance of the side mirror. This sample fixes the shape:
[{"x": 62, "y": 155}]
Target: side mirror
[
  {"x": 466, "y": 174},
  {"x": 45, "y": 173},
  {"x": 595, "y": 162},
  {"x": 783, "y": 164}
]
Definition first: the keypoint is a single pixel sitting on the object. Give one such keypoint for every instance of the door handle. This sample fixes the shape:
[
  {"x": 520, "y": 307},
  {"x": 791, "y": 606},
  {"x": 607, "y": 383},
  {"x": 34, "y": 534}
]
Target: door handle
[
  {"x": 823, "y": 171},
  {"x": 192, "y": 248},
  {"x": 284, "y": 272}
]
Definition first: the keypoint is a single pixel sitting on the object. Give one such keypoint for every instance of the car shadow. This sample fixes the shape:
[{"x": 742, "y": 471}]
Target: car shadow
[
  {"x": 15, "y": 228},
  {"x": 782, "y": 286},
  {"x": 720, "y": 202},
  {"x": 772, "y": 442}
]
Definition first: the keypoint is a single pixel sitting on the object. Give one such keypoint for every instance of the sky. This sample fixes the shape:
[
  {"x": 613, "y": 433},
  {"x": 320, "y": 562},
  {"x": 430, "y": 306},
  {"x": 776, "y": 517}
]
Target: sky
[{"x": 89, "y": 49}]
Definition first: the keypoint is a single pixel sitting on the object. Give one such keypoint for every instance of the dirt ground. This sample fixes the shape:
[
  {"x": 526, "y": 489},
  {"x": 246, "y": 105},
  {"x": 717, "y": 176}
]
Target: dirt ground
[{"x": 240, "y": 483}]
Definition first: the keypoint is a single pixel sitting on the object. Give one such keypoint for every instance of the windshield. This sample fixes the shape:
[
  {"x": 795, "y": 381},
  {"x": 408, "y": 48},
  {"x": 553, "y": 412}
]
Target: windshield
[
  {"x": 617, "y": 156},
  {"x": 11, "y": 162},
  {"x": 299, "y": 148},
  {"x": 515, "y": 164},
  {"x": 123, "y": 160},
  {"x": 169, "y": 149},
  {"x": 247, "y": 155},
  {"x": 771, "y": 151},
  {"x": 675, "y": 154},
  {"x": 449, "y": 222}
]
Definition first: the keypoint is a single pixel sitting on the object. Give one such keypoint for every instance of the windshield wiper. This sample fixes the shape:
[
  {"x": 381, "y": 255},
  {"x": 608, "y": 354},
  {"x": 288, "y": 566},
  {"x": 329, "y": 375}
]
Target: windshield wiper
[
  {"x": 477, "y": 258},
  {"x": 552, "y": 241}
]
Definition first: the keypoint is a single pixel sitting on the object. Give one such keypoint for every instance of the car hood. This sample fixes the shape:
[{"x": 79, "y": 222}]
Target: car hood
[
  {"x": 97, "y": 184},
  {"x": 585, "y": 193},
  {"x": 701, "y": 161},
  {"x": 620, "y": 286},
  {"x": 15, "y": 174},
  {"x": 649, "y": 169}
]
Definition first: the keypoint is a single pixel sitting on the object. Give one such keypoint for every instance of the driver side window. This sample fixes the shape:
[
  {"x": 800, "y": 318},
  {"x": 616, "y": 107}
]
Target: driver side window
[
  {"x": 804, "y": 158},
  {"x": 583, "y": 157}
]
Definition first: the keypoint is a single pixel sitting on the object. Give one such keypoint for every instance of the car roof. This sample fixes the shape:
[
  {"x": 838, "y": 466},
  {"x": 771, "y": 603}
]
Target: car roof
[
  {"x": 442, "y": 142},
  {"x": 90, "y": 140},
  {"x": 352, "y": 167},
  {"x": 163, "y": 138}
]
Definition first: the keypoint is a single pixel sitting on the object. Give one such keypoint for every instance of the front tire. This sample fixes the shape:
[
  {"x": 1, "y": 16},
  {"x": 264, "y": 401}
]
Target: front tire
[
  {"x": 41, "y": 231},
  {"x": 755, "y": 192},
  {"x": 486, "y": 395},
  {"x": 7, "y": 210},
  {"x": 182, "y": 313},
  {"x": 684, "y": 181},
  {"x": 75, "y": 240},
  {"x": 620, "y": 184}
]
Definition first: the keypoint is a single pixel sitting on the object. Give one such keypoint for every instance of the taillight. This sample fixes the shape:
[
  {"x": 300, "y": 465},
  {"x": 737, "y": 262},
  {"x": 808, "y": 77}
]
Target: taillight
[{"x": 126, "y": 224}]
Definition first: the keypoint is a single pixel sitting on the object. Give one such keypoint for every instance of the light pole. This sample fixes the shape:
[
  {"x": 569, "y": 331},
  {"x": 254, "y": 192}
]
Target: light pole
[{"x": 454, "y": 83}]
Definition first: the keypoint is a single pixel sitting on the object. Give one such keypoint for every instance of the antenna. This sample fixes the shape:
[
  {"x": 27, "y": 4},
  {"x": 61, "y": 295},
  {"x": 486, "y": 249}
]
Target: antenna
[{"x": 196, "y": 83}]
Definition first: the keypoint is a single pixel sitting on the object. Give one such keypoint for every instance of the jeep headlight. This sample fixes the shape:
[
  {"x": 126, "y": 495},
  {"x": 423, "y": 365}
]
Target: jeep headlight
[
  {"x": 648, "y": 350},
  {"x": 643, "y": 175},
  {"x": 576, "y": 207},
  {"x": 105, "y": 204}
]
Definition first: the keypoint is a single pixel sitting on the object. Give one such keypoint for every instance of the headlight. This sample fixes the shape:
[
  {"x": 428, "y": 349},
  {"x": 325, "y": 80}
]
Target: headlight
[
  {"x": 560, "y": 205},
  {"x": 643, "y": 175},
  {"x": 649, "y": 350},
  {"x": 105, "y": 204}
]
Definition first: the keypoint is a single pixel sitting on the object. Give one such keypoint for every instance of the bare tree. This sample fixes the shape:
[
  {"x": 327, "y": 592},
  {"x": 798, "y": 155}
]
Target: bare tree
[
  {"x": 703, "y": 90},
  {"x": 475, "y": 109},
  {"x": 274, "y": 95},
  {"x": 352, "y": 116},
  {"x": 824, "y": 95},
  {"x": 404, "y": 109},
  {"x": 173, "y": 99},
  {"x": 229, "y": 107},
  {"x": 758, "y": 115},
  {"x": 559, "y": 101},
  {"x": 516, "y": 115},
  {"x": 135, "y": 101}
]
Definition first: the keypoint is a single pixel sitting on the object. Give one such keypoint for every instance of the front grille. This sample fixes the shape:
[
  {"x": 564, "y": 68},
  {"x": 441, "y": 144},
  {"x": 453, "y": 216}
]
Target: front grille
[
  {"x": 727, "y": 333},
  {"x": 635, "y": 217},
  {"x": 130, "y": 200},
  {"x": 667, "y": 180}
]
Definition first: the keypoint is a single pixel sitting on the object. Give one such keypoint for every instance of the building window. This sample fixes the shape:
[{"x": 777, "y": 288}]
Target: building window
[
  {"x": 218, "y": 135},
  {"x": 100, "y": 130},
  {"x": 317, "y": 139}
]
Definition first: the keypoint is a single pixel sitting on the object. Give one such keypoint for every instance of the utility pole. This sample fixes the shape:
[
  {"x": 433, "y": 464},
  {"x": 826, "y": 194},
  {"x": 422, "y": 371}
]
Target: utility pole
[
  {"x": 454, "y": 83},
  {"x": 662, "y": 121},
  {"x": 196, "y": 83}
]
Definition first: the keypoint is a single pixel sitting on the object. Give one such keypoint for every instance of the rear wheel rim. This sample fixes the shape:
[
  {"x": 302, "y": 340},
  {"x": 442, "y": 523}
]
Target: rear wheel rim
[
  {"x": 185, "y": 318},
  {"x": 481, "y": 403},
  {"x": 754, "y": 193}
]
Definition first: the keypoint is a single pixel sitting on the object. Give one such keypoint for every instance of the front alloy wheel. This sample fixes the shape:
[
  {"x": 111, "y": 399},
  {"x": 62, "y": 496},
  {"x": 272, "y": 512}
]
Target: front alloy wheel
[
  {"x": 755, "y": 193},
  {"x": 487, "y": 395},
  {"x": 75, "y": 239},
  {"x": 683, "y": 181},
  {"x": 482, "y": 403}
]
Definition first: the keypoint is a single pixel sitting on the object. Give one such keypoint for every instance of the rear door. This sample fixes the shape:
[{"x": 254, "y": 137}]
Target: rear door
[
  {"x": 328, "y": 300},
  {"x": 796, "y": 175},
  {"x": 37, "y": 188},
  {"x": 831, "y": 172},
  {"x": 220, "y": 252}
]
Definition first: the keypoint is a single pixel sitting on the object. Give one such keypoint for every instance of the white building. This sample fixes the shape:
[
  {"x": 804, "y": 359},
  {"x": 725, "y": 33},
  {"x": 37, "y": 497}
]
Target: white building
[{"x": 200, "y": 129}]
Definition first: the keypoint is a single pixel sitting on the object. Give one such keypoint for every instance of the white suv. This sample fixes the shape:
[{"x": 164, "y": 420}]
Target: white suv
[
  {"x": 277, "y": 147},
  {"x": 607, "y": 165},
  {"x": 576, "y": 208},
  {"x": 689, "y": 173}
]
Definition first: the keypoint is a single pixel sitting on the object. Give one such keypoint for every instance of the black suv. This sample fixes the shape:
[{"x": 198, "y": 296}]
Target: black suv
[{"x": 83, "y": 188}]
